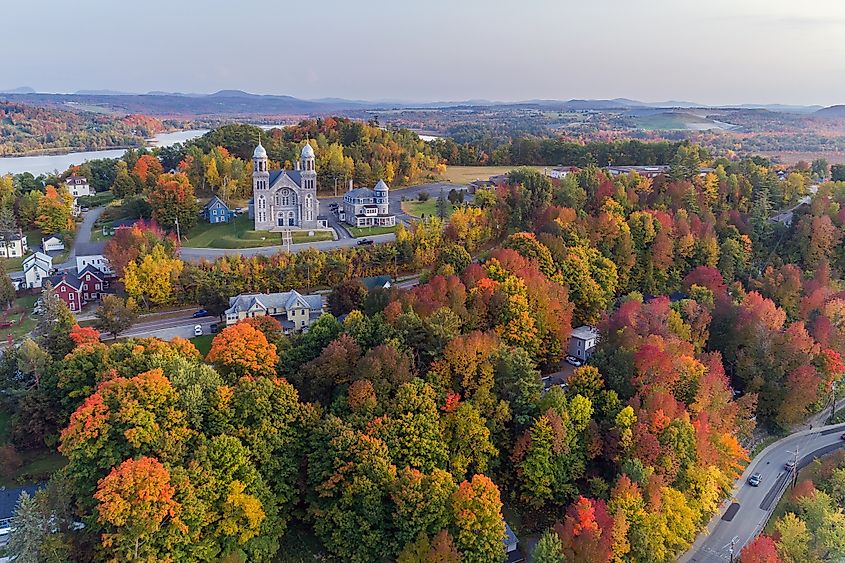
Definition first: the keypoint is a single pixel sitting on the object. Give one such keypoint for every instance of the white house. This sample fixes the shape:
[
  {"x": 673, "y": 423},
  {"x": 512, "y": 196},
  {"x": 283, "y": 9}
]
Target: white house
[
  {"x": 52, "y": 243},
  {"x": 561, "y": 172},
  {"x": 96, "y": 260},
  {"x": 295, "y": 311},
  {"x": 583, "y": 341},
  {"x": 37, "y": 268},
  {"x": 78, "y": 186},
  {"x": 13, "y": 244}
]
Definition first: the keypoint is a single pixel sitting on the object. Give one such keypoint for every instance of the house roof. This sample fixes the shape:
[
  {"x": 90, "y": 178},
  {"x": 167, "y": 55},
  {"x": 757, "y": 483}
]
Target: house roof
[
  {"x": 38, "y": 259},
  {"x": 93, "y": 270},
  {"x": 11, "y": 236},
  {"x": 74, "y": 179},
  {"x": 245, "y": 302},
  {"x": 360, "y": 192},
  {"x": 214, "y": 201},
  {"x": 68, "y": 278},
  {"x": 9, "y": 498},
  {"x": 375, "y": 282},
  {"x": 585, "y": 332},
  {"x": 510, "y": 537},
  {"x": 59, "y": 238}
]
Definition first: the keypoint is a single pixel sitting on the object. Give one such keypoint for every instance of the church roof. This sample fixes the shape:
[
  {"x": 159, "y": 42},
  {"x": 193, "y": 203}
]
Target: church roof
[
  {"x": 295, "y": 175},
  {"x": 260, "y": 152},
  {"x": 307, "y": 151}
]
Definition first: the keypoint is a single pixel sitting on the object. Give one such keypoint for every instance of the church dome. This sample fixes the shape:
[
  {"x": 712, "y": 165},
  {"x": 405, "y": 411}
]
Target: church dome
[
  {"x": 307, "y": 151},
  {"x": 259, "y": 152}
]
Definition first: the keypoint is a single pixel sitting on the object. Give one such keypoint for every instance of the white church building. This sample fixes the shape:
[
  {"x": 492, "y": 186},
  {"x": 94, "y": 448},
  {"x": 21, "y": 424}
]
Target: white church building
[{"x": 285, "y": 199}]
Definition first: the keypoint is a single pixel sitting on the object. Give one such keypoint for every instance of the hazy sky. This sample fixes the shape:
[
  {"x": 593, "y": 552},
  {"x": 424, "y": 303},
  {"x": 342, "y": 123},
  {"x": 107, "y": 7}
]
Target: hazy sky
[{"x": 713, "y": 52}]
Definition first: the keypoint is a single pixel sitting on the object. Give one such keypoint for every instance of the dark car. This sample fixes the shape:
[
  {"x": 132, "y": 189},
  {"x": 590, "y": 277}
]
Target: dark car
[
  {"x": 365, "y": 242},
  {"x": 213, "y": 328},
  {"x": 755, "y": 479},
  {"x": 842, "y": 437},
  {"x": 200, "y": 313}
]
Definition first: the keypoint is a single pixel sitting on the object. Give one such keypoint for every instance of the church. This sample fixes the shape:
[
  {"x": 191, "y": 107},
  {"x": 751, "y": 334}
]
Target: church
[{"x": 285, "y": 199}]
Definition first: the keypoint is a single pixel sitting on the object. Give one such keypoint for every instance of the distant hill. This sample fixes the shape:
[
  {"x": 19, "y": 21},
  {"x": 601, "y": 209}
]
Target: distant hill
[
  {"x": 832, "y": 112},
  {"x": 18, "y": 90}
]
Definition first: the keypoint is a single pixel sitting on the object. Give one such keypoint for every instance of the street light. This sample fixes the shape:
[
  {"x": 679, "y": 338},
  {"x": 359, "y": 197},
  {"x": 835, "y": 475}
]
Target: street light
[{"x": 733, "y": 544}]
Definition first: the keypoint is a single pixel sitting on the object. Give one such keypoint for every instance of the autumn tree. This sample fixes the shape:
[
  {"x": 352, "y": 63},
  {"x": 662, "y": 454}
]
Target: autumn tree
[
  {"x": 173, "y": 200},
  {"x": 241, "y": 350},
  {"x": 152, "y": 278},
  {"x": 548, "y": 549},
  {"x": 55, "y": 212},
  {"x": 135, "y": 500},
  {"x": 479, "y": 530}
]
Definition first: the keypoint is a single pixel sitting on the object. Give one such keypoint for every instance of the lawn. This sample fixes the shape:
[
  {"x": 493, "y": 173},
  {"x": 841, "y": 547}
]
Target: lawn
[
  {"x": 35, "y": 465},
  {"x": 426, "y": 208},
  {"x": 203, "y": 343},
  {"x": 466, "y": 174},
  {"x": 239, "y": 234},
  {"x": 102, "y": 198},
  {"x": 370, "y": 231},
  {"x": 19, "y": 315}
]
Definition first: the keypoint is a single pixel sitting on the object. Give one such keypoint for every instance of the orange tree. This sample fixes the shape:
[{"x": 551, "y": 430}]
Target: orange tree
[{"x": 241, "y": 350}]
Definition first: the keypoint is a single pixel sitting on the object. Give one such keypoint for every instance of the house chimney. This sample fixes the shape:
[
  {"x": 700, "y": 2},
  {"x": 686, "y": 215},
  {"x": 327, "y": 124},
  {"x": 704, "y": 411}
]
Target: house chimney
[
  {"x": 350, "y": 184},
  {"x": 296, "y": 165}
]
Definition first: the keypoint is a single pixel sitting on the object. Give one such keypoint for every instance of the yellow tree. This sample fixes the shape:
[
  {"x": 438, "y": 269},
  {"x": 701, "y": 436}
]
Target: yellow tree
[
  {"x": 55, "y": 211},
  {"x": 152, "y": 279}
]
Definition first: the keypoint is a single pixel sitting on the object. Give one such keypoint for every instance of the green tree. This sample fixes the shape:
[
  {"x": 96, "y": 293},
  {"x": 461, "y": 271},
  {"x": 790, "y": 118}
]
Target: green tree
[
  {"x": 114, "y": 316},
  {"x": 479, "y": 530},
  {"x": 54, "y": 324},
  {"x": 7, "y": 288},
  {"x": 549, "y": 549},
  {"x": 31, "y": 528}
]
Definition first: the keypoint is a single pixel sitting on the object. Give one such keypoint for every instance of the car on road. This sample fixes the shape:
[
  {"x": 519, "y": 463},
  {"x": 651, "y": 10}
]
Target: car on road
[
  {"x": 573, "y": 361},
  {"x": 212, "y": 328},
  {"x": 789, "y": 465},
  {"x": 842, "y": 437},
  {"x": 200, "y": 313},
  {"x": 365, "y": 242},
  {"x": 198, "y": 330},
  {"x": 755, "y": 479}
]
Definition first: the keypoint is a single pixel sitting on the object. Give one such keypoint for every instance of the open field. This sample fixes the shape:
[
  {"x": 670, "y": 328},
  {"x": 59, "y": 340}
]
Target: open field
[
  {"x": 426, "y": 208},
  {"x": 466, "y": 174},
  {"x": 239, "y": 234}
]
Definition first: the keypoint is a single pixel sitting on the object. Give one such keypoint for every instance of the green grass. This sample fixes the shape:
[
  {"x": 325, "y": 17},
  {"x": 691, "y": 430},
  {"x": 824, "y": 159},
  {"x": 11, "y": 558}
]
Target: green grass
[
  {"x": 203, "y": 343},
  {"x": 239, "y": 234},
  {"x": 20, "y": 315},
  {"x": 102, "y": 198},
  {"x": 370, "y": 231},
  {"x": 12, "y": 264},
  {"x": 37, "y": 467},
  {"x": 426, "y": 208}
]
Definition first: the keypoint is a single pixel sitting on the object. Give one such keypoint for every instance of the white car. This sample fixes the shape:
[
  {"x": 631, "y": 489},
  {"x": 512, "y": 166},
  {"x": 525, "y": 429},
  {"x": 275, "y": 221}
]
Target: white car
[
  {"x": 573, "y": 361},
  {"x": 198, "y": 330}
]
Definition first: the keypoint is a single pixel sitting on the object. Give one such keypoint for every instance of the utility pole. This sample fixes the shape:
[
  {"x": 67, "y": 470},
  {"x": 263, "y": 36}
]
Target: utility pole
[
  {"x": 795, "y": 466},
  {"x": 178, "y": 233},
  {"x": 335, "y": 186},
  {"x": 733, "y": 545},
  {"x": 833, "y": 403}
]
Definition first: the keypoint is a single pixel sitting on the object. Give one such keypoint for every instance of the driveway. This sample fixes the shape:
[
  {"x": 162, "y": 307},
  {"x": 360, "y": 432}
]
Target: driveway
[{"x": 743, "y": 517}]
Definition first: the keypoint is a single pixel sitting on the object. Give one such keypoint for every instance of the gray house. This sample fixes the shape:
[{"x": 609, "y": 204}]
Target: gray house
[
  {"x": 583, "y": 341},
  {"x": 292, "y": 309}
]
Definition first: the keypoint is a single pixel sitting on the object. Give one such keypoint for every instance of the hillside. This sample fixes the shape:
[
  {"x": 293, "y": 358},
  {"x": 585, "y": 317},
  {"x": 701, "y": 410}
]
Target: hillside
[
  {"x": 26, "y": 129},
  {"x": 831, "y": 112}
]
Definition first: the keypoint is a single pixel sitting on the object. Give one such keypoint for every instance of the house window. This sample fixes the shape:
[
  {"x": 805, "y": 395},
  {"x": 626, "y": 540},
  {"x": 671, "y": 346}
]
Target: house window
[
  {"x": 64, "y": 289},
  {"x": 96, "y": 286}
]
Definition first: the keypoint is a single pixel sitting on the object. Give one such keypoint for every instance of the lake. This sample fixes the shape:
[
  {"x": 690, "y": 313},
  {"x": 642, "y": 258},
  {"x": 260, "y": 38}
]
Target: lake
[{"x": 45, "y": 164}]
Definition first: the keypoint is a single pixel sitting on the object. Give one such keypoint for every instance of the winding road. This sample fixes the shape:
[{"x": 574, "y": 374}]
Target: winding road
[{"x": 742, "y": 517}]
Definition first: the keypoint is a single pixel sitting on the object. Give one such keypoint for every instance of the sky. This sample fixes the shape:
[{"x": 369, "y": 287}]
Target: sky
[{"x": 712, "y": 52}]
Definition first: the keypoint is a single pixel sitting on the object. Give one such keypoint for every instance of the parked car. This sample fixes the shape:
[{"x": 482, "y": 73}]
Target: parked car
[
  {"x": 213, "y": 328},
  {"x": 755, "y": 479},
  {"x": 573, "y": 361},
  {"x": 842, "y": 437},
  {"x": 198, "y": 330},
  {"x": 200, "y": 313},
  {"x": 365, "y": 242},
  {"x": 84, "y": 209}
]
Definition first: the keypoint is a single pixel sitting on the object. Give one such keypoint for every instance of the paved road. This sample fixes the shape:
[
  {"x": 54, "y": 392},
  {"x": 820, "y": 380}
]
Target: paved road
[
  {"x": 197, "y": 254},
  {"x": 166, "y": 329},
  {"x": 756, "y": 503}
]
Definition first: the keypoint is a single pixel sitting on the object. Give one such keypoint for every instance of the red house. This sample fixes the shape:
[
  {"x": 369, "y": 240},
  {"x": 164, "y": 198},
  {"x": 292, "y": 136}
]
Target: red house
[
  {"x": 93, "y": 283},
  {"x": 69, "y": 289}
]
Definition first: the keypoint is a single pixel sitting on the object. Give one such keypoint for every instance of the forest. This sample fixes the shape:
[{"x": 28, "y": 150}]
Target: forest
[
  {"x": 408, "y": 424},
  {"x": 26, "y": 129}
]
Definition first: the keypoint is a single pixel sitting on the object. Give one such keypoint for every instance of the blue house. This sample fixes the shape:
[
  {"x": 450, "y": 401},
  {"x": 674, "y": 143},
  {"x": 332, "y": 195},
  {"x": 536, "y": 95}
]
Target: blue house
[{"x": 216, "y": 211}]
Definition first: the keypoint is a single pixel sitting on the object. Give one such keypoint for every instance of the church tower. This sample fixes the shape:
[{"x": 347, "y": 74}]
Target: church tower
[
  {"x": 260, "y": 185},
  {"x": 308, "y": 184}
]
